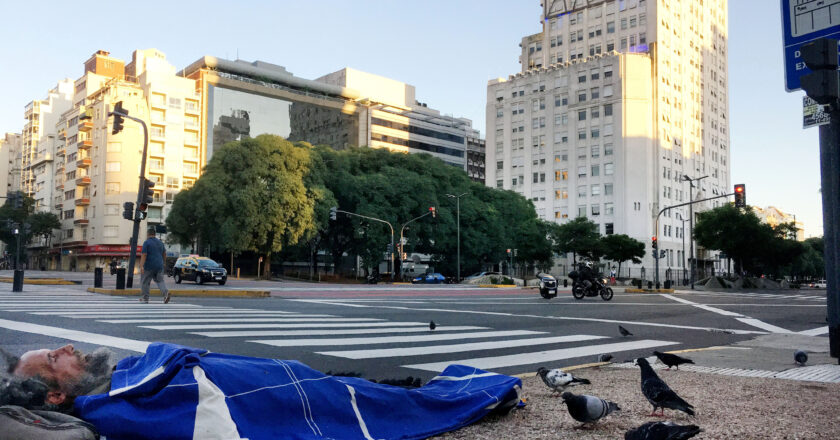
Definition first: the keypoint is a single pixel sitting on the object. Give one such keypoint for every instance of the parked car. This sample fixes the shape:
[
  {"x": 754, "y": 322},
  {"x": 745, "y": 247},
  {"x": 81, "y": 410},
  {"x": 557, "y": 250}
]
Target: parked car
[
  {"x": 479, "y": 275},
  {"x": 430, "y": 278},
  {"x": 198, "y": 269},
  {"x": 821, "y": 284}
]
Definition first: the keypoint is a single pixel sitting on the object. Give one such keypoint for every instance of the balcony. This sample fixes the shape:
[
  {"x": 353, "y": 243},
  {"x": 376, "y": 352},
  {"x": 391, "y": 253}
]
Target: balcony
[
  {"x": 85, "y": 144},
  {"x": 83, "y": 162},
  {"x": 192, "y": 109},
  {"x": 83, "y": 201},
  {"x": 59, "y": 151},
  {"x": 189, "y": 140},
  {"x": 157, "y": 152},
  {"x": 62, "y": 134},
  {"x": 84, "y": 180},
  {"x": 85, "y": 125},
  {"x": 81, "y": 221},
  {"x": 59, "y": 186}
]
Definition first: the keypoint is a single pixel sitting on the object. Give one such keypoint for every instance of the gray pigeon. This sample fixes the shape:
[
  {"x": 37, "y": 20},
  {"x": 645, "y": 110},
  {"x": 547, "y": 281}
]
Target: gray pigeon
[
  {"x": 658, "y": 393},
  {"x": 558, "y": 380},
  {"x": 605, "y": 357},
  {"x": 800, "y": 357},
  {"x": 672, "y": 360},
  {"x": 432, "y": 325},
  {"x": 588, "y": 409},
  {"x": 662, "y": 431},
  {"x": 624, "y": 332}
]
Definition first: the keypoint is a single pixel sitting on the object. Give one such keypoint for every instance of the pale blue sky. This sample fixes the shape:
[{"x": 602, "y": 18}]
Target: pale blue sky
[{"x": 447, "y": 49}]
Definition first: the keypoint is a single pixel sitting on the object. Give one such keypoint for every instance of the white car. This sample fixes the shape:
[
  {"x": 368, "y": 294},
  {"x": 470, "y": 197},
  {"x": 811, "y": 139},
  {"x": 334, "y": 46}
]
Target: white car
[{"x": 821, "y": 284}]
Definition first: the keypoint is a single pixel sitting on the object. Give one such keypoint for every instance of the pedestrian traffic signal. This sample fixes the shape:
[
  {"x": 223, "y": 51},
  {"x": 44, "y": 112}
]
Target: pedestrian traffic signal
[
  {"x": 128, "y": 210},
  {"x": 118, "y": 113},
  {"x": 653, "y": 242},
  {"x": 333, "y": 213},
  {"x": 740, "y": 195},
  {"x": 823, "y": 83},
  {"x": 432, "y": 209}
]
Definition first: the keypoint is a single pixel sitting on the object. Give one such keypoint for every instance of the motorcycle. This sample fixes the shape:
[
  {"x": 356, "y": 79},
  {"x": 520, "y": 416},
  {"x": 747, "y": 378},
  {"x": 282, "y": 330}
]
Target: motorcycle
[{"x": 597, "y": 286}]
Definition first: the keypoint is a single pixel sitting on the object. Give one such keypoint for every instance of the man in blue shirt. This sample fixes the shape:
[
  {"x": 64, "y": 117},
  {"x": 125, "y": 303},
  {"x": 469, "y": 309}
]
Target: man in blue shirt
[{"x": 152, "y": 258}]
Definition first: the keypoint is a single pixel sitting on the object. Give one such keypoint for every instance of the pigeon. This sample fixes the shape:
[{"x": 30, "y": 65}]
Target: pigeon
[
  {"x": 800, "y": 357},
  {"x": 605, "y": 357},
  {"x": 624, "y": 332},
  {"x": 432, "y": 325},
  {"x": 671, "y": 359},
  {"x": 658, "y": 393},
  {"x": 558, "y": 380},
  {"x": 588, "y": 409},
  {"x": 662, "y": 431}
]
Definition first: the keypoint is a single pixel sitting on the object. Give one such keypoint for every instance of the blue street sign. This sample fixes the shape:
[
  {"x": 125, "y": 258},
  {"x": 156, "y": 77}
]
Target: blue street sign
[{"x": 804, "y": 21}]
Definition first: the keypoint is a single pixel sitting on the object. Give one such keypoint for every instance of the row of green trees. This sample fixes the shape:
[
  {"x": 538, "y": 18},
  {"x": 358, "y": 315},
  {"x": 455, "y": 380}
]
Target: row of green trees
[
  {"x": 29, "y": 224},
  {"x": 271, "y": 196}
]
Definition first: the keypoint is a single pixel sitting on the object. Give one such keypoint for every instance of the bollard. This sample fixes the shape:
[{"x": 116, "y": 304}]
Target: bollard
[
  {"x": 17, "y": 285},
  {"x": 650, "y": 284},
  {"x": 565, "y": 283},
  {"x": 120, "y": 278},
  {"x": 97, "y": 277}
]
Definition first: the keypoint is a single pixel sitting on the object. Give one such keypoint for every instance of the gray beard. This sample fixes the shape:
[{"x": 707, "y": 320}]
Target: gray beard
[{"x": 98, "y": 368}]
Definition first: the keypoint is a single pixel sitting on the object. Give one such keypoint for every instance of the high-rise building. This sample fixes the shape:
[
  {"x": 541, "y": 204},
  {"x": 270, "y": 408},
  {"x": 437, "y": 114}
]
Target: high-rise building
[
  {"x": 618, "y": 104},
  {"x": 10, "y": 147}
]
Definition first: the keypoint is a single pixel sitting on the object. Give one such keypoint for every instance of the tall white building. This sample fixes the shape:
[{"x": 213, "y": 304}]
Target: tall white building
[{"x": 617, "y": 100}]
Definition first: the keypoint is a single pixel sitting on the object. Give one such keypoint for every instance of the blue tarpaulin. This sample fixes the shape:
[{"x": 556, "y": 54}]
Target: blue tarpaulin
[{"x": 177, "y": 392}]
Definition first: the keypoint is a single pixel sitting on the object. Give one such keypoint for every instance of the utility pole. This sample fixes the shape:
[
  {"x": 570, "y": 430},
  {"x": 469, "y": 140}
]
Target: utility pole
[
  {"x": 691, "y": 224},
  {"x": 458, "y": 204},
  {"x": 334, "y": 210}
]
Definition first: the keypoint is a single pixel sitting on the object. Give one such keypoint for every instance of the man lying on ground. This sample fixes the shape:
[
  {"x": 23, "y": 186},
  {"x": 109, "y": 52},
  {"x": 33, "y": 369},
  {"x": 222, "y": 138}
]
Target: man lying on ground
[{"x": 180, "y": 392}]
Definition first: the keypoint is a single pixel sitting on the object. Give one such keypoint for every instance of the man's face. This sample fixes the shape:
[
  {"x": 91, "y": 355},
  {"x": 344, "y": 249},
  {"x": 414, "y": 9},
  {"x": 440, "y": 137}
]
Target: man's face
[{"x": 63, "y": 365}]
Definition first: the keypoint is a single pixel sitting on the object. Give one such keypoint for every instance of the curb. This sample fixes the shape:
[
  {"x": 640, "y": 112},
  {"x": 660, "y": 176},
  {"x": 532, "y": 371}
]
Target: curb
[
  {"x": 498, "y": 286},
  {"x": 649, "y": 290},
  {"x": 43, "y": 281},
  {"x": 187, "y": 292}
]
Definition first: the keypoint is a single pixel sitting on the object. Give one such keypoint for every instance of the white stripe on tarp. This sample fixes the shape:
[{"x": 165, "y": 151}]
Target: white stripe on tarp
[
  {"x": 213, "y": 319},
  {"x": 157, "y": 372},
  {"x": 362, "y": 424},
  {"x": 467, "y": 377},
  {"x": 391, "y": 339},
  {"x": 75, "y": 335},
  {"x": 763, "y": 325},
  {"x": 304, "y": 398},
  {"x": 212, "y": 416},
  {"x": 317, "y": 332},
  {"x": 313, "y": 325},
  {"x": 815, "y": 331},
  {"x": 489, "y": 363},
  {"x": 455, "y": 348}
]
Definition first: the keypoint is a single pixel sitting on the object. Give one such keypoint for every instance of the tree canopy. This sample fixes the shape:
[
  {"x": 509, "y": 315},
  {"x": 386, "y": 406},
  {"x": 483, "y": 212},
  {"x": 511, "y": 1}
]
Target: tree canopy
[
  {"x": 621, "y": 248},
  {"x": 579, "y": 236}
]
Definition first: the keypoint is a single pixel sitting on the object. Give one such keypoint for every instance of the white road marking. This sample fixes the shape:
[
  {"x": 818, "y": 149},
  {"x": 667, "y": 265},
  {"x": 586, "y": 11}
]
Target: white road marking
[
  {"x": 173, "y": 312},
  {"x": 489, "y": 363},
  {"x": 745, "y": 319},
  {"x": 316, "y": 332},
  {"x": 75, "y": 335},
  {"x": 701, "y": 306},
  {"x": 312, "y": 325},
  {"x": 291, "y": 318},
  {"x": 392, "y": 339},
  {"x": 455, "y": 348},
  {"x": 815, "y": 332},
  {"x": 763, "y": 325}
]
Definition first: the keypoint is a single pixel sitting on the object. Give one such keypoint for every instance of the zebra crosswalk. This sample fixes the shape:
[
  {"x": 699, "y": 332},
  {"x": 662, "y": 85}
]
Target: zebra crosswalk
[{"x": 409, "y": 343}]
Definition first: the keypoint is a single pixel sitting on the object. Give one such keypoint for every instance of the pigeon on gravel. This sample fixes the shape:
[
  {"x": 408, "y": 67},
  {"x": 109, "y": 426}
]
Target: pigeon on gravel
[
  {"x": 558, "y": 380},
  {"x": 658, "y": 393},
  {"x": 800, "y": 357},
  {"x": 672, "y": 360},
  {"x": 605, "y": 357},
  {"x": 432, "y": 325},
  {"x": 624, "y": 332},
  {"x": 588, "y": 409},
  {"x": 662, "y": 431}
]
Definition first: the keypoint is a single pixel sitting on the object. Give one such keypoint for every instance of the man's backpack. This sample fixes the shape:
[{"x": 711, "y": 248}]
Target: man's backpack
[{"x": 18, "y": 423}]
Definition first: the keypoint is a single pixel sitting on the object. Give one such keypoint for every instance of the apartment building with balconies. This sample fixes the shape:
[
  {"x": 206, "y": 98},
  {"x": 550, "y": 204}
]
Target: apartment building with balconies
[
  {"x": 10, "y": 148},
  {"x": 616, "y": 101}
]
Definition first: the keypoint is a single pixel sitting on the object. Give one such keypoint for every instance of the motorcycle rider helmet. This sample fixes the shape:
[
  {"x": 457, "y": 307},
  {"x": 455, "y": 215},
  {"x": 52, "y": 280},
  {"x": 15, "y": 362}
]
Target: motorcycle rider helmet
[{"x": 588, "y": 264}]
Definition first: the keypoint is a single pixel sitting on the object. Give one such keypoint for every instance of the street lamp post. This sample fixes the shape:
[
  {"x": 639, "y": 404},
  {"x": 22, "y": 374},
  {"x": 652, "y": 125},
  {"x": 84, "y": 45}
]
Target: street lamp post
[
  {"x": 691, "y": 222},
  {"x": 682, "y": 233},
  {"x": 402, "y": 229},
  {"x": 458, "y": 204}
]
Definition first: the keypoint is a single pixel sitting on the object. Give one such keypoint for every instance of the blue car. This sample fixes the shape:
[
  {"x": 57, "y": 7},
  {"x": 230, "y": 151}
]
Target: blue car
[{"x": 429, "y": 278}]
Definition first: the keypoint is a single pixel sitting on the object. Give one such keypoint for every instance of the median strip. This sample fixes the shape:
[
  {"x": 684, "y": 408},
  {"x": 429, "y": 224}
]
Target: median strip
[
  {"x": 186, "y": 292},
  {"x": 42, "y": 281}
]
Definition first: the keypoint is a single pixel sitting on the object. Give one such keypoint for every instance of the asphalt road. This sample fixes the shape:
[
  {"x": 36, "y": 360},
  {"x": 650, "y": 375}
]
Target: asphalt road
[{"x": 383, "y": 331}]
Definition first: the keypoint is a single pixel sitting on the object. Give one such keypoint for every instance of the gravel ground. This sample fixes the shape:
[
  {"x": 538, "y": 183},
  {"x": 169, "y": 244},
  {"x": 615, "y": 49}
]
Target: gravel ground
[{"x": 726, "y": 407}]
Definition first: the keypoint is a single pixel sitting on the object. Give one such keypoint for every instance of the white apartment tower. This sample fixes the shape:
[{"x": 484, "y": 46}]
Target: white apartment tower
[{"x": 617, "y": 100}]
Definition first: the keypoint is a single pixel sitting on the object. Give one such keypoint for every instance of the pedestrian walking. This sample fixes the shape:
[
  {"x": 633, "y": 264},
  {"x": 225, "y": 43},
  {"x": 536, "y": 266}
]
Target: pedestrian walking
[
  {"x": 152, "y": 257},
  {"x": 612, "y": 275}
]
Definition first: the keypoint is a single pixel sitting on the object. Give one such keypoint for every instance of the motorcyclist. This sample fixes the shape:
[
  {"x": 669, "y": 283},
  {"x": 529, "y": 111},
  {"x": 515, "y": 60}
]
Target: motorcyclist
[{"x": 587, "y": 274}]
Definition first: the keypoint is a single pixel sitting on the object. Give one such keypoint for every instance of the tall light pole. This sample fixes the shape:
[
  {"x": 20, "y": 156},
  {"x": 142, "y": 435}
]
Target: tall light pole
[
  {"x": 683, "y": 243},
  {"x": 458, "y": 205},
  {"x": 691, "y": 221}
]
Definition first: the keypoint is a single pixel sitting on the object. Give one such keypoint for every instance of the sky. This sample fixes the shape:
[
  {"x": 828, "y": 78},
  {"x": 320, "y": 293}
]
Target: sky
[{"x": 447, "y": 49}]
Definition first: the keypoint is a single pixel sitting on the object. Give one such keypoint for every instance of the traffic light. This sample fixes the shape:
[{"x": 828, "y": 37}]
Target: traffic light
[
  {"x": 508, "y": 251},
  {"x": 118, "y": 113},
  {"x": 740, "y": 195},
  {"x": 432, "y": 210},
  {"x": 823, "y": 83},
  {"x": 128, "y": 210},
  {"x": 148, "y": 192},
  {"x": 653, "y": 242},
  {"x": 333, "y": 213}
]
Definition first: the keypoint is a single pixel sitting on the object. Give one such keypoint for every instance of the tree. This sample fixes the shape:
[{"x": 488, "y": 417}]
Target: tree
[
  {"x": 580, "y": 237},
  {"x": 621, "y": 248}
]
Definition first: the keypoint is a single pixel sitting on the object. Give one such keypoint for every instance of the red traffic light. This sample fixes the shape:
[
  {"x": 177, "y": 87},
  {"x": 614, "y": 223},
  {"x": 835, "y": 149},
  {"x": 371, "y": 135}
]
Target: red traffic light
[{"x": 432, "y": 210}]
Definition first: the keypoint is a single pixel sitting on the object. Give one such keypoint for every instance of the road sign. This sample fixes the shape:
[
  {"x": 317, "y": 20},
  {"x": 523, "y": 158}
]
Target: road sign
[
  {"x": 804, "y": 21},
  {"x": 813, "y": 113}
]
